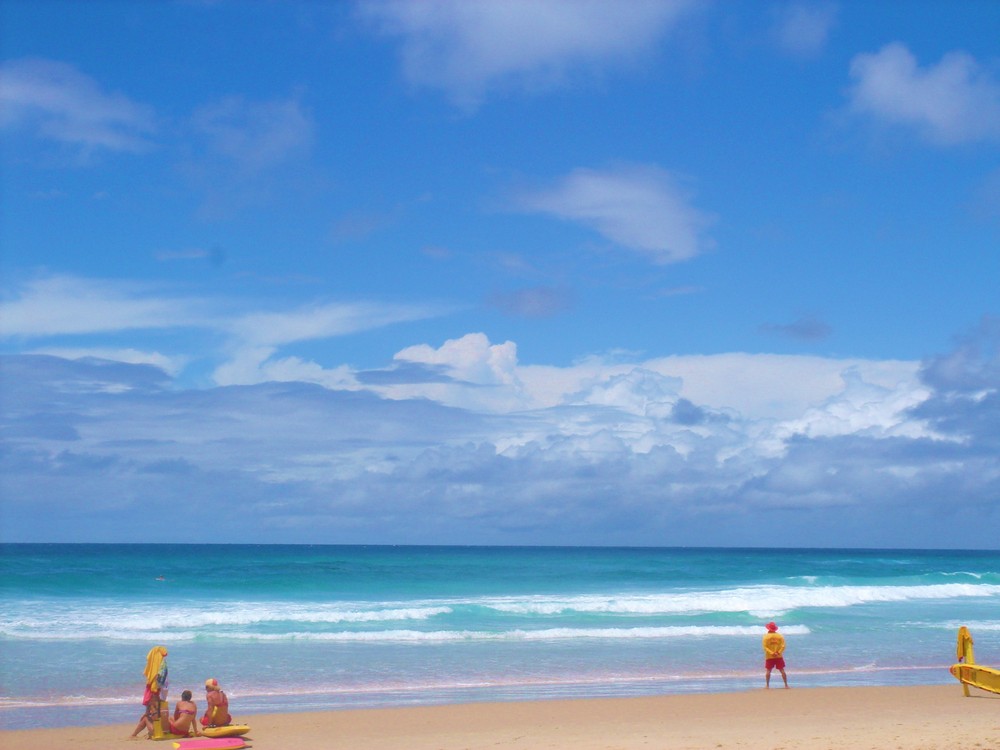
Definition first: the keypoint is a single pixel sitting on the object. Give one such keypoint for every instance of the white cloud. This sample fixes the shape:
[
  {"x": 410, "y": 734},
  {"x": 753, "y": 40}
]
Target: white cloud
[
  {"x": 324, "y": 321},
  {"x": 65, "y": 105},
  {"x": 257, "y": 338},
  {"x": 69, "y": 306},
  {"x": 250, "y": 365},
  {"x": 863, "y": 408},
  {"x": 802, "y": 29},
  {"x": 641, "y": 208},
  {"x": 470, "y": 358},
  {"x": 243, "y": 365},
  {"x": 58, "y": 305},
  {"x": 955, "y": 101},
  {"x": 478, "y": 375},
  {"x": 783, "y": 394},
  {"x": 776, "y": 386},
  {"x": 468, "y": 372},
  {"x": 255, "y": 136},
  {"x": 468, "y": 48}
]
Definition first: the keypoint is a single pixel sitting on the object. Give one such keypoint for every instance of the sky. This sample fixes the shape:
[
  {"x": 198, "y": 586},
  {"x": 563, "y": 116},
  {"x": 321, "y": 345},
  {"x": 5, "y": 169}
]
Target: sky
[{"x": 556, "y": 272}]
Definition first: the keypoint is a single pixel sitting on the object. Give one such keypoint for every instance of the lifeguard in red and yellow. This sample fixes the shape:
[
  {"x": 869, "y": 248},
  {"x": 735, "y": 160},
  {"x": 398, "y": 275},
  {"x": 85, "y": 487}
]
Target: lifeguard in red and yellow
[
  {"x": 774, "y": 654},
  {"x": 217, "y": 714}
]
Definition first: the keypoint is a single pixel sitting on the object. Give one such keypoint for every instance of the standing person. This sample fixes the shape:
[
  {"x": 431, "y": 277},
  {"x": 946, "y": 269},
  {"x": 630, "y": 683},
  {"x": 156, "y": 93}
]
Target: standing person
[
  {"x": 217, "y": 713},
  {"x": 774, "y": 653},
  {"x": 156, "y": 689},
  {"x": 184, "y": 716}
]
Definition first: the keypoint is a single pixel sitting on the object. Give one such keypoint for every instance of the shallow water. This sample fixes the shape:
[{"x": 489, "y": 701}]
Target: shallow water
[{"x": 289, "y": 628}]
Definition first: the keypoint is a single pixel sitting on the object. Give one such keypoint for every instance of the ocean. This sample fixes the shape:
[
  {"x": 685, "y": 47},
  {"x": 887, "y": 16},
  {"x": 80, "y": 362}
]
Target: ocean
[{"x": 298, "y": 628}]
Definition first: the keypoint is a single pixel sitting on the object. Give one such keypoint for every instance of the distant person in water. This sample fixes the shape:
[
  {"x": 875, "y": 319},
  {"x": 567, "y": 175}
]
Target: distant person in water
[
  {"x": 217, "y": 713},
  {"x": 156, "y": 689},
  {"x": 184, "y": 713},
  {"x": 774, "y": 654}
]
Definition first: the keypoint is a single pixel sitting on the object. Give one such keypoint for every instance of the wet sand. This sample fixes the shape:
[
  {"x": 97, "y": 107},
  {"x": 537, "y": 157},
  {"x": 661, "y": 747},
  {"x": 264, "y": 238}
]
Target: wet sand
[{"x": 856, "y": 718}]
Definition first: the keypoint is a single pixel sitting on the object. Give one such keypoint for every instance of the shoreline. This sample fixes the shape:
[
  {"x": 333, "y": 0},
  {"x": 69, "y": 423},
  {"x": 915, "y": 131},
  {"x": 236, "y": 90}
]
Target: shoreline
[{"x": 812, "y": 718}]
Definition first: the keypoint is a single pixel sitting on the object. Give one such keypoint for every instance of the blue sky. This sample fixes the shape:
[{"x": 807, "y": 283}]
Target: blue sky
[{"x": 649, "y": 273}]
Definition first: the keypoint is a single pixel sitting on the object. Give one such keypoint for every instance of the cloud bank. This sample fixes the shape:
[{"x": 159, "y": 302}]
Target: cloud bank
[{"x": 462, "y": 442}]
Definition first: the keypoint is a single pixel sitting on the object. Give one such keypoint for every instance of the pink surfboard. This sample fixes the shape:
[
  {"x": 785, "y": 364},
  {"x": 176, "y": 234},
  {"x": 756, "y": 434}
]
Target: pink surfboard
[{"x": 211, "y": 743}]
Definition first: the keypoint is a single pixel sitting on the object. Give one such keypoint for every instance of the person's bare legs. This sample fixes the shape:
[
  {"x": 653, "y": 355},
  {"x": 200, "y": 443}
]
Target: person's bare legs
[{"x": 143, "y": 722}]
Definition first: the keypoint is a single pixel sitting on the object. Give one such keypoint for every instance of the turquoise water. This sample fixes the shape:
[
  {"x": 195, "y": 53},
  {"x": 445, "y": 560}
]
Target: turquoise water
[{"x": 288, "y": 628}]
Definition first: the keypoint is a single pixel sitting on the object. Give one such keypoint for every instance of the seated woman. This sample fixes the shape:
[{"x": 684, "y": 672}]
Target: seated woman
[
  {"x": 184, "y": 713},
  {"x": 217, "y": 713},
  {"x": 156, "y": 691}
]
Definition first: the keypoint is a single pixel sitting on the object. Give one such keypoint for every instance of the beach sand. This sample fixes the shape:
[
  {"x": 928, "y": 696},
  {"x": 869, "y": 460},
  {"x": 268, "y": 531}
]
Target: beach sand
[{"x": 856, "y": 718}]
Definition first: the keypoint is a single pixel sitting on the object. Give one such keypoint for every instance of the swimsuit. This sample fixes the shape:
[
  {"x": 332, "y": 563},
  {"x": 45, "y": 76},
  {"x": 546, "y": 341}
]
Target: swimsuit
[
  {"x": 173, "y": 727},
  {"x": 218, "y": 714}
]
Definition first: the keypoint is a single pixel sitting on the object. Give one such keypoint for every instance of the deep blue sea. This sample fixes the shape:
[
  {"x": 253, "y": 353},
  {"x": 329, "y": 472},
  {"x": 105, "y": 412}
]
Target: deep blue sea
[{"x": 287, "y": 628}]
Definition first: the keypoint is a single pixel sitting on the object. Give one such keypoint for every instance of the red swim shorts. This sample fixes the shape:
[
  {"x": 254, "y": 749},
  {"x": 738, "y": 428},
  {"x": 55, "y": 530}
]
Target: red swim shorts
[{"x": 770, "y": 664}]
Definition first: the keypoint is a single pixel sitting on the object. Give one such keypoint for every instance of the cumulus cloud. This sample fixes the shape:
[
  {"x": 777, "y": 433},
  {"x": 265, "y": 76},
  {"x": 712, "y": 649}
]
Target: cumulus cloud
[
  {"x": 862, "y": 408},
  {"x": 60, "y": 103},
  {"x": 762, "y": 388},
  {"x": 643, "y": 209},
  {"x": 472, "y": 359},
  {"x": 955, "y": 101},
  {"x": 802, "y": 29},
  {"x": 470, "y": 48}
]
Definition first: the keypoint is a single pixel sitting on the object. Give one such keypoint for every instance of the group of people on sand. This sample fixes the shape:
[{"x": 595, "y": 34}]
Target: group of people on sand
[
  {"x": 183, "y": 721},
  {"x": 217, "y": 711}
]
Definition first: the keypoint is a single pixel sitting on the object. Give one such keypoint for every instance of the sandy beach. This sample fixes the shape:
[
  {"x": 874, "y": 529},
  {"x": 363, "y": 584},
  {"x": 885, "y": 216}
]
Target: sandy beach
[{"x": 857, "y": 718}]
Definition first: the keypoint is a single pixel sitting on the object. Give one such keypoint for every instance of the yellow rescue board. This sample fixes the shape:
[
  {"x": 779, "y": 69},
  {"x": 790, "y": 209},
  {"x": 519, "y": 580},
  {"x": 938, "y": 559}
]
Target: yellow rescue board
[
  {"x": 230, "y": 730},
  {"x": 984, "y": 678}
]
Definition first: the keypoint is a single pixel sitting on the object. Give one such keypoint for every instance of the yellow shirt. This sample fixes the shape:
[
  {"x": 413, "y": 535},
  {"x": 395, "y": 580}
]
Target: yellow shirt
[{"x": 774, "y": 645}]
